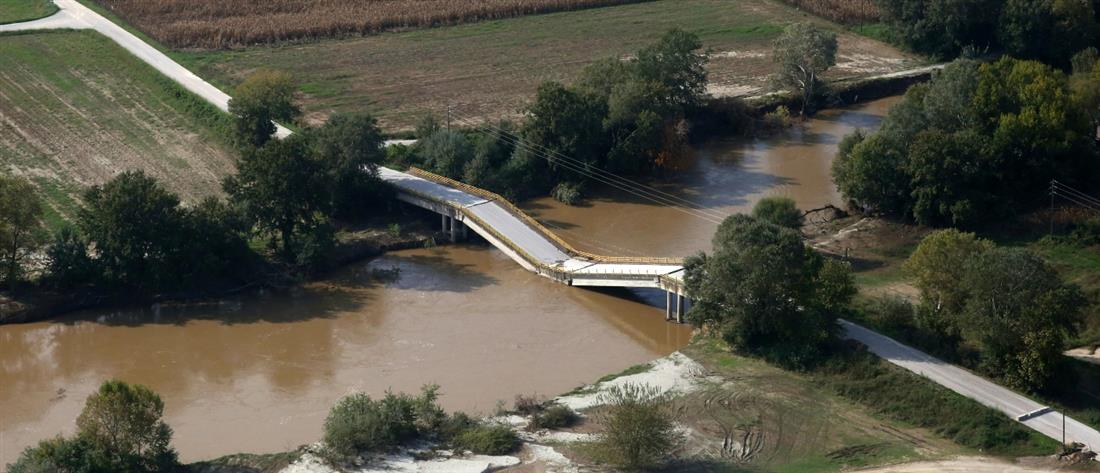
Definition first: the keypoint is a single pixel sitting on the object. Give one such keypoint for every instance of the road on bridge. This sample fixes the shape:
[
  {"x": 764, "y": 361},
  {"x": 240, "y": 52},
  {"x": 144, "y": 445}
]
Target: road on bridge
[{"x": 972, "y": 386}]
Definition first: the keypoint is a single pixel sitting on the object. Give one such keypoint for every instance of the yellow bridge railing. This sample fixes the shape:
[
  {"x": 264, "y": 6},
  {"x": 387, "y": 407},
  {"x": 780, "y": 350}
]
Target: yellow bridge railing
[{"x": 534, "y": 224}]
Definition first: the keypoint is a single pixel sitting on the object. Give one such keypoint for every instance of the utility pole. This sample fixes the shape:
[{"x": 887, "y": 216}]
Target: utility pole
[
  {"x": 1052, "y": 181},
  {"x": 448, "y": 117}
]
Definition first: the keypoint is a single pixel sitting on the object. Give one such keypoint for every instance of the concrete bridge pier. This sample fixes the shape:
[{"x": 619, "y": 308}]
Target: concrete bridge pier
[
  {"x": 676, "y": 306},
  {"x": 454, "y": 227}
]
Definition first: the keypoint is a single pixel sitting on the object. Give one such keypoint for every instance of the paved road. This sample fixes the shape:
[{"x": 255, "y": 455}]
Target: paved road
[
  {"x": 972, "y": 386},
  {"x": 77, "y": 16}
]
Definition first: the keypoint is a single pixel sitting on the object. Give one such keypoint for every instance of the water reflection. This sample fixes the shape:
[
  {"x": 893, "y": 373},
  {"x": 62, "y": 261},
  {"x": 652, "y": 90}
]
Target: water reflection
[
  {"x": 725, "y": 177},
  {"x": 257, "y": 373}
]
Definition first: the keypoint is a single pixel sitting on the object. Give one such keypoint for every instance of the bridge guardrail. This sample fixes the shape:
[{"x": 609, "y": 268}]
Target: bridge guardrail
[{"x": 535, "y": 223}]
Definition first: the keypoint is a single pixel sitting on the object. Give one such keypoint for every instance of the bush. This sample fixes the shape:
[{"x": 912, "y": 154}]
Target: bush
[
  {"x": 1086, "y": 233},
  {"x": 639, "y": 430},
  {"x": 528, "y": 405},
  {"x": 488, "y": 440},
  {"x": 892, "y": 313},
  {"x": 360, "y": 424},
  {"x": 555, "y": 417},
  {"x": 60, "y": 454},
  {"x": 781, "y": 211},
  {"x": 568, "y": 193}
]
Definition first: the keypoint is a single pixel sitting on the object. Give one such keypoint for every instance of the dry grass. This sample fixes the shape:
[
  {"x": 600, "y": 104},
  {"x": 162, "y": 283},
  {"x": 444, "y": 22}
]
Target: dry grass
[
  {"x": 849, "y": 12},
  {"x": 219, "y": 24}
]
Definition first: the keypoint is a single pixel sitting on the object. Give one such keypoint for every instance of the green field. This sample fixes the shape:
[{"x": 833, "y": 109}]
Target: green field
[
  {"x": 14, "y": 11},
  {"x": 76, "y": 109},
  {"x": 491, "y": 68}
]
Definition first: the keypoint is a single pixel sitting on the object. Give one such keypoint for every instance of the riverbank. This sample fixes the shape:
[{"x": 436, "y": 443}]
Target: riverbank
[
  {"x": 735, "y": 412},
  {"x": 354, "y": 244}
]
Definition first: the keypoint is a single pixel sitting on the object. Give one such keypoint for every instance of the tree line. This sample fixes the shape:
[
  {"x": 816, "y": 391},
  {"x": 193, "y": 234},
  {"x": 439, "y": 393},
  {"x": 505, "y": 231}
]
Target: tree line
[
  {"x": 288, "y": 196},
  {"x": 622, "y": 115},
  {"x": 976, "y": 144},
  {"x": 1051, "y": 31}
]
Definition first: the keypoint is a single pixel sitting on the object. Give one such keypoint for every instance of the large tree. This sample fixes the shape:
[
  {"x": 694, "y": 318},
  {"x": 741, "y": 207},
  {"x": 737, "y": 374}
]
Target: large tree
[
  {"x": 1020, "y": 312},
  {"x": 767, "y": 292},
  {"x": 804, "y": 52},
  {"x": 126, "y": 423},
  {"x": 351, "y": 148},
  {"x": 135, "y": 225},
  {"x": 942, "y": 28},
  {"x": 283, "y": 189},
  {"x": 264, "y": 97},
  {"x": 938, "y": 265},
  {"x": 21, "y": 230}
]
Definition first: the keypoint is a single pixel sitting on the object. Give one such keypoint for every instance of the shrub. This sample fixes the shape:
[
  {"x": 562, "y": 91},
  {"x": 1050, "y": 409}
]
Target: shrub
[
  {"x": 528, "y": 405},
  {"x": 892, "y": 313},
  {"x": 359, "y": 424},
  {"x": 781, "y": 211},
  {"x": 60, "y": 454},
  {"x": 454, "y": 425},
  {"x": 568, "y": 193},
  {"x": 639, "y": 429},
  {"x": 555, "y": 417},
  {"x": 1086, "y": 233},
  {"x": 488, "y": 440}
]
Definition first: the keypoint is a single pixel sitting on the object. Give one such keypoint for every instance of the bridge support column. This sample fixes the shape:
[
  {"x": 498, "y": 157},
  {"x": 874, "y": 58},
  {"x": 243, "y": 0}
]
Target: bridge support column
[
  {"x": 454, "y": 230},
  {"x": 444, "y": 220},
  {"x": 679, "y": 308},
  {"x": 668, "y": 305}
]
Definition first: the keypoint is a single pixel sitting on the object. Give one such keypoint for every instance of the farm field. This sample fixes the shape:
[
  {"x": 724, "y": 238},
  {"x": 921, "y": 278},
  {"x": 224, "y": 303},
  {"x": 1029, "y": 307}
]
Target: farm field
[
  {"x": 13, "y": 11},
  {"x": 76, "y": 109},
  {"x": 214, "y": 24},
  {"x": 490, "y": 69}
]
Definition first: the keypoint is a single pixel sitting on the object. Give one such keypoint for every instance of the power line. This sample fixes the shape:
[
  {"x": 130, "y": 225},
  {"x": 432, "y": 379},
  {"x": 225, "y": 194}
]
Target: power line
[
  {"x": 1055, "y": 185},
  {"x": 563, "y": 160},
  {"x": 624, "y": 187}
]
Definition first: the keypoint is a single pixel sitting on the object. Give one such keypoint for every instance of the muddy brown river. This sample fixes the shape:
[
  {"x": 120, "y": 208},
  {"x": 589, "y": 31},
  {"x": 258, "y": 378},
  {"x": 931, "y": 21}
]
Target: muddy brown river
[{"x": 258, "y": 373}]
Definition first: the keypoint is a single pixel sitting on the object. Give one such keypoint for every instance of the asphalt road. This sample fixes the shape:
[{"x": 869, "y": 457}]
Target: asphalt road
[{"x": 972, "y": 386}]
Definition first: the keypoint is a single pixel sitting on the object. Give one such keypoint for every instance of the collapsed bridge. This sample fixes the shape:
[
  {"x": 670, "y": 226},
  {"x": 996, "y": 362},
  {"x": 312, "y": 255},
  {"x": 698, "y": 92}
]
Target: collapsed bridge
[{"x": 531, "y": 245}]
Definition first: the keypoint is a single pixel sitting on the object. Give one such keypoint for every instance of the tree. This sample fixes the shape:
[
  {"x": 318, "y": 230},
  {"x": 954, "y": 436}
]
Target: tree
[
  {"x": 1047, "y": 30},
  {"x": 937, "y": 267},
  {"x": 350, "y": 147},
  {"x": 946, "y": 178},
  {"x": 565, "y": 122},
  {"x": 639, "y": 427},
  {"x": 20, "y": 225},
  {"x": 1020, "y": 312},
  {"x": 676, "y": 64},
  {"x": 445, "y": 152},
  {"x": 781, "y": 211},
  {"x": 135, "y": 225},
  {"x": 68, "y": 261},
  {"x": 942, "y": 28},
  {"x": 62, "y": 455},
  {"x": 803, "y": 53},
  {"x": 262, "y": 98},
  {"x": 125, "y": 422},
  {"x": 872, "y": 173},
  {"x": 767, "y": 292},
  {"x": 283, "y": 190}
]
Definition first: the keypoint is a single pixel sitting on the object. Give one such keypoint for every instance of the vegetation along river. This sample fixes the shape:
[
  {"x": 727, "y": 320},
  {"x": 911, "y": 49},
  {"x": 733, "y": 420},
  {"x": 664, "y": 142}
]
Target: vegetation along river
[{"x": 258, "y": 373}]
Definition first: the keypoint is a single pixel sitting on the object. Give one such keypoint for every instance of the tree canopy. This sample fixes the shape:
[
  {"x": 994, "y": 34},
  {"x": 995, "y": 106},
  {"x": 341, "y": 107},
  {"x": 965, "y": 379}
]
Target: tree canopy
[
  {"x": 947, "y": 151},
  {"x": 804, "y": 52},
  {"x": 21, "y": 230},
  {"x": 767, "y": 292},
  {"x": 264, "y": 97}
]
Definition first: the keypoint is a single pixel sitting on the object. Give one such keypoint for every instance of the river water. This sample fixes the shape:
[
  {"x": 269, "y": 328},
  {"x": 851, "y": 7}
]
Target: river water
[{"x": 258, "y": 373}]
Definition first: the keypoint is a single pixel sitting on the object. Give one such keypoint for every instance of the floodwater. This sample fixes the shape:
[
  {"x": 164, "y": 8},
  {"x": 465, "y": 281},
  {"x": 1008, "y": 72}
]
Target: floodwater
[
  {"x": 257, "y": 373},
  {"x": 724, "y": 177}
]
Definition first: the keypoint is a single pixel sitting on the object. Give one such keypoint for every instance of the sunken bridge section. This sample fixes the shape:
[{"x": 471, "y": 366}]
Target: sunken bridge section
[{"x": 529, "y": 243}]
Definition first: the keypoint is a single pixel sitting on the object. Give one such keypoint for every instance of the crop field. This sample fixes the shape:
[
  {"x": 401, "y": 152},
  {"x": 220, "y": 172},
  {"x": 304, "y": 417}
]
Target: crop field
[
  {"x": 13, "y": 11},
  {"x": 75, "y": 109},
  {"x": 848, "y": 12},
  {"x": 490, "y": 69},
  {"x": 214, "y": 24}
]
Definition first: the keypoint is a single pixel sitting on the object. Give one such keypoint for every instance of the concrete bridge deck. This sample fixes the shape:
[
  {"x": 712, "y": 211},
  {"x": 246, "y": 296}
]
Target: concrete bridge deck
[{"x": 530, "y": 244}]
